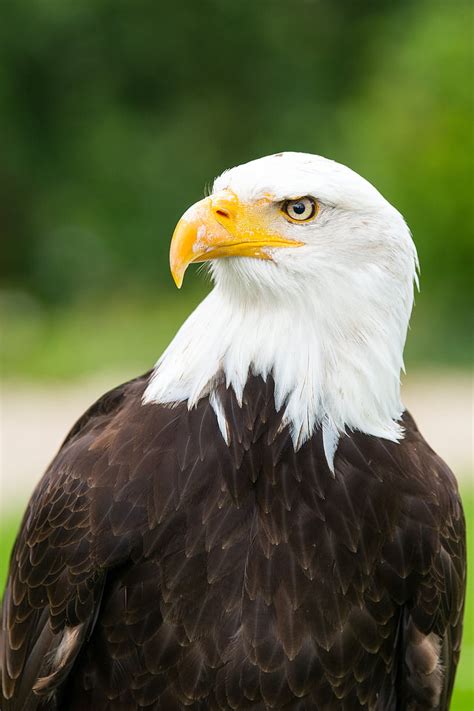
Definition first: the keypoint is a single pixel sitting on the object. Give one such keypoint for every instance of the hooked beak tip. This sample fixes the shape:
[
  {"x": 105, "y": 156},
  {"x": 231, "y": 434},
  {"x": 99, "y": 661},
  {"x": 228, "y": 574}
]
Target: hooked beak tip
[{"x": 178, "y": 276}]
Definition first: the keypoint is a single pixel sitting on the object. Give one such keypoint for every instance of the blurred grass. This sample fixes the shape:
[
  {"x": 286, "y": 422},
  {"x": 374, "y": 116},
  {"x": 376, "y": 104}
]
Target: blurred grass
[
  {"x": 463, "y": 699},
  {"x": 124, "y": 333}
]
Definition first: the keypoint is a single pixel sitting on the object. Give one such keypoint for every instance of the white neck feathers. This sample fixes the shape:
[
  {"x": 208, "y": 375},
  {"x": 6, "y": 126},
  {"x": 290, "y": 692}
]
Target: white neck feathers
[{"x": 335, "y": 360}]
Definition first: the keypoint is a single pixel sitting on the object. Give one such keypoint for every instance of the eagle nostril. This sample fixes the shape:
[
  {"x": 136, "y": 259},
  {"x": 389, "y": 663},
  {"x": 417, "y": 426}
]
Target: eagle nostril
[{"x": 222, "y": 213}]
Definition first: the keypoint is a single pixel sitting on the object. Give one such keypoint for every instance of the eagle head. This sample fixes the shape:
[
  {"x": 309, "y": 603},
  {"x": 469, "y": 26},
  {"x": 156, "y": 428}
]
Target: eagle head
[
  {"x": 295, "y": 222},
  {"x": 313, "y": 274}
]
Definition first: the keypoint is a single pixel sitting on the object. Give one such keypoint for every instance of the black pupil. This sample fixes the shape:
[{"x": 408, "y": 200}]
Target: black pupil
[{"x": 299, "y": 207}]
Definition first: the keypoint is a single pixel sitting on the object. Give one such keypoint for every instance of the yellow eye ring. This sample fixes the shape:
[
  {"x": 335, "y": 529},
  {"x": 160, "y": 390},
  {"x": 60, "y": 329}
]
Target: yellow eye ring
[{"x": 301, "y": 209}]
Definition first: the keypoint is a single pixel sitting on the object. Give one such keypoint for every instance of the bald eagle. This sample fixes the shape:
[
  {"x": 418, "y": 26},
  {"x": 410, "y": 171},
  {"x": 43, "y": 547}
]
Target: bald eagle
[{"x": 257, "y": 523}]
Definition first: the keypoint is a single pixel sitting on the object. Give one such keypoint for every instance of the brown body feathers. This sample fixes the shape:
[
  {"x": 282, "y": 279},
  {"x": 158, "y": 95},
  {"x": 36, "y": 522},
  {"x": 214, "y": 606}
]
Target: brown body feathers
[{"x": 158, "y": 567}]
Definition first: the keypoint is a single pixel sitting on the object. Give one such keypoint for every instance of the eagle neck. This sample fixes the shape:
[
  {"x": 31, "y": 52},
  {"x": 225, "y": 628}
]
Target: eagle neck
[{"x": 325, "y": 372}]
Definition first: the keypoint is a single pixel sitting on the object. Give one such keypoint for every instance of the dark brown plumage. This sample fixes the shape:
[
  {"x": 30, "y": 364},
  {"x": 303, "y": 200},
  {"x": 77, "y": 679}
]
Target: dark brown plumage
[{"x": 159, "y": 568}]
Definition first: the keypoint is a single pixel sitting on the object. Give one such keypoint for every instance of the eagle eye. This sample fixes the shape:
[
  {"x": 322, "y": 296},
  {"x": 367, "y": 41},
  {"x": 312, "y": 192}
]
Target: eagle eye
[{"x": 300, "y": 210}]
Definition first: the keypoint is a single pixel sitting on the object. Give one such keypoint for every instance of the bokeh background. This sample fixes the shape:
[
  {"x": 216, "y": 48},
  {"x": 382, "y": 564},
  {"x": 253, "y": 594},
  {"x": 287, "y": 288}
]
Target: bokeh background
[{"x": 115, "y": 116}]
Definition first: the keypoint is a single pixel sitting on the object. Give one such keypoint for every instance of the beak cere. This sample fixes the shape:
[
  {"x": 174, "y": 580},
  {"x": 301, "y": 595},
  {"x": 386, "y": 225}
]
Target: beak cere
[{"x": 221, "y": 226}]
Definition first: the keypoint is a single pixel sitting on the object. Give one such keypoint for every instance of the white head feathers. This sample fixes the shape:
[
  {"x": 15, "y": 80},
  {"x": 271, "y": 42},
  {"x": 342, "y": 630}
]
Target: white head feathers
[{"x": 328, "y": 320}]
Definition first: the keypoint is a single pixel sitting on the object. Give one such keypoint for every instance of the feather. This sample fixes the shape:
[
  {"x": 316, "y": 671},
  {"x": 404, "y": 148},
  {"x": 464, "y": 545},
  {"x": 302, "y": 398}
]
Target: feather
[{"x": 157, "y": 565}]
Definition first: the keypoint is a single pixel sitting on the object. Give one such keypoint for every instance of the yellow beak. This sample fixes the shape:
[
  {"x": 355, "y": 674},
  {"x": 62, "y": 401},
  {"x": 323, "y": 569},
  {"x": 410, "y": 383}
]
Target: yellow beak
[{"x": 222, "y": 226}]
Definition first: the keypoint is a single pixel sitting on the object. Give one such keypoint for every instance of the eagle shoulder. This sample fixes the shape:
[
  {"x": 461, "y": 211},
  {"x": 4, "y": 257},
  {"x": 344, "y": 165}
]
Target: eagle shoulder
[{"x": 83, "y": 519}]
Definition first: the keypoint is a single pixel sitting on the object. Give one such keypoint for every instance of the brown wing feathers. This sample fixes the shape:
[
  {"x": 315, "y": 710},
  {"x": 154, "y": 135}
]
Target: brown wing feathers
[{"x": 159, "y": 568}]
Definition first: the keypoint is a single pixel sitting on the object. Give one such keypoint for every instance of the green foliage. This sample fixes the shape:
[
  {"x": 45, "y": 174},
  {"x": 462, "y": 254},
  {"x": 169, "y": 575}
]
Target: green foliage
[
  {"x": 124, "y": 335},
  {"x": 463, "y": 699},
  {"x": 115, "y": 115},
  {"x": 411, "y": 130}
]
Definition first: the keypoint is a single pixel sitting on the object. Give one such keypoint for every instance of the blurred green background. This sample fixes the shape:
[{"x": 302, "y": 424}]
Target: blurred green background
[{"x": 115, "y": 116}]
